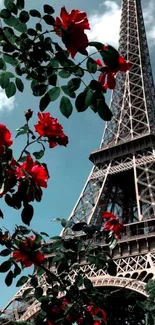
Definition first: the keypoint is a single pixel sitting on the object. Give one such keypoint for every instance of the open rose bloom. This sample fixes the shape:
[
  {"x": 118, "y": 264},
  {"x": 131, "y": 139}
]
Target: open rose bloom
[
  {"x": 70, "y": 27},
  {"x": 57, "y": 311},
  {"x": 113, "y": 224},
  {"x": 49, "y": 127},
  {"x": 28, "y": 254},
  {"x": 108, "y": 78}
]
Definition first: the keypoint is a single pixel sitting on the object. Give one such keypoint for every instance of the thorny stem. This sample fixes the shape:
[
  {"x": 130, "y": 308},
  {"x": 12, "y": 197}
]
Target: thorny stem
[
  {"x": 88, "y": 56},
  {"x": 46, "y": 32},
  {"x": 27, "y": 145}
]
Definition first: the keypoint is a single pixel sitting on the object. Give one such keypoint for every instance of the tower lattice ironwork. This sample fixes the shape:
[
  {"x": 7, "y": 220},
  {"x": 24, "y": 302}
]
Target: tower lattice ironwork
[{"x": 122, "y": 180}]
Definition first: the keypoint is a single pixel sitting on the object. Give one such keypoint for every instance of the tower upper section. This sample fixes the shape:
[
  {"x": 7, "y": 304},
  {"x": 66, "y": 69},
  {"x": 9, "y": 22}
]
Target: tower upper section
[{"x": 133, "y": 100}]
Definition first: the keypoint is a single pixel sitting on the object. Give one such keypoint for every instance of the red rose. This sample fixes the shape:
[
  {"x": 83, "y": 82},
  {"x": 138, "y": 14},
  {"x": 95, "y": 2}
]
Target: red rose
[
  {"x": 30, "y": 174},
  {"x": 5, "y": 138},
  {"x": 50, "y": 128},
  {"x": 113, "y": 224},
  {"x": 70, "y": 26},
  {"x": 11, "y": 179},
  {"x": 30, "y": 170},
  {"x": 95, "y": 311},
  {"x": 107, "y": 78},
  {"x": 27, "y": 256},
  {"x": 124, "y": 66}
]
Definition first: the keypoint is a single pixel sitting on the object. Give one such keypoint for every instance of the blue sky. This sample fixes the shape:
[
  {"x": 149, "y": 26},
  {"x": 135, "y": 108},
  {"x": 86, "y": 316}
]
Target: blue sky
[{"x": 69, "y": 167}]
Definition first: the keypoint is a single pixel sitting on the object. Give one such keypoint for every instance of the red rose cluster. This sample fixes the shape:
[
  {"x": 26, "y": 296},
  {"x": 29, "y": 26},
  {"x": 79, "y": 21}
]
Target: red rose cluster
[
  {"x": 50, "y": 128},
  {"x": 113, "y": 224},
  {"x": 28, "y": 253},
  {"x": 57, "y": 311},
  {"x": 70, "y": 27},
  {"x": 108, "y": 78},
  {"x": 30, "y": 174}
]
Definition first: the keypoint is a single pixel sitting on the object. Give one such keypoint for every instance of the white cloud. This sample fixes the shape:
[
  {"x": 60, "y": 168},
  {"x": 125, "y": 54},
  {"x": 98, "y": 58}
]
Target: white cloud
[
  {"x": 149, "y": 14},
  {"x": 105, "y": 26},
  {"x": 105, "y": 23},
  {"x": 6, "y": 104}
]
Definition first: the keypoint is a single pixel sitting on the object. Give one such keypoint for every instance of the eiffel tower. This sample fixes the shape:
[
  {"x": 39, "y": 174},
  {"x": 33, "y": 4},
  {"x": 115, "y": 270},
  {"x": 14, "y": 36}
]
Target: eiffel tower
[{"x": 122, "y": 180}]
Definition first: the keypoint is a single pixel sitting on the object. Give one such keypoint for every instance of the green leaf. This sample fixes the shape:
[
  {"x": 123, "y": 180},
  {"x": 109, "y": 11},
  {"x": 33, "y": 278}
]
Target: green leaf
[
  {"x": 68, "y": 92},
  {"x": 49, "y": 19},
  {"x": 26, "y": 292},
  {"x": 78, "y": 71},
  {"x": 58, "y": 258},
  {"x": 23, "y": 130},
  {"x": 5, "y": 252},
  {"x": 103, "y": 110},
  {"x": 5, "y": 266},
  {"x": 17, "y": 270},
  {"x": 110, "y": 57},
  {"x": 8, "y": 200},
  {"x": 111, "y": 267},
  {"x": 1, "y": 214},
  {"x": 4, "y": 13},
  {"x": 4, "y": 80},
  {"x": 95, "y": 85},
  {"x": 34, "y": 281},
  {"x": 54, "y": 93},
  {"x": 24, "y": 16},
  {"x": 9, "y": 278},
  {"x": 37, "y": 193},
  {"x": 19, "y": 84},
  {"x": 27, "y": 214},
  {"x": 9, "y": 59},
  {"x": 9, "y": 34},
  {"x": 38, "y": 238},
  {"x": 38, "y": 292},
  {"x": 52, "y": 80},
  {"x": 98, "y": 45},
  {"x": 39, "y": 89},
  {"x": 10, "y": 90},
  {"x": 48, "y": 9},
  {"x": 39, "y": 27},
  {"x": 9, "y": 4},
  {"x": 84, "y": 100},
  {"x": 16, "y": 23},
  {"x": 64, "y": 74},
  {"x": 9, "y": 74},
  {"x": 44, "y": 102},
  {"x": 22, "y": 281},
  {"x": 91, "y": 65},
  {"x": 63, "y": 223},
  {"x": 66, "y": 107},
  {"x": 20, "y": 4},
  {"x": 87, "y": 283},
  {"x": 40, "y": 271},
  {"x": 31, "y": 32},
  {"x": 35, "y": 13},
  {"x": 38, "y": 155},
  {"x": 44, "y": 234},
  {"x": 74, "y": 84},
  {"x": 2, "y": 64}
]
